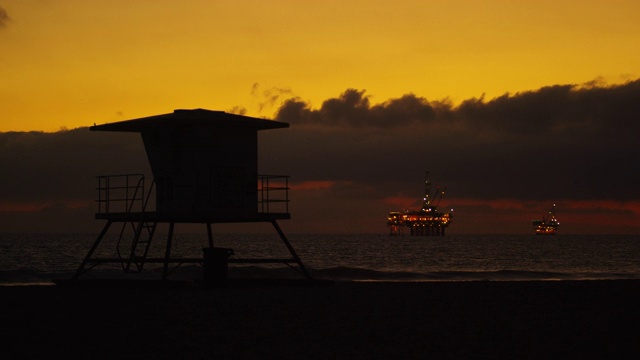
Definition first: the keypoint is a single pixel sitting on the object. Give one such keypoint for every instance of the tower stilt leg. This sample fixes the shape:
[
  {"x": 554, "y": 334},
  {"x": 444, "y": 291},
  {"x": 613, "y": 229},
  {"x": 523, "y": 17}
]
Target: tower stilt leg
[
  {"x": 291, "y": 250},
  {"x": 210, "y": 235},
  {"x": 92, "y": 250},
  {"x": 167, "y": 254}
]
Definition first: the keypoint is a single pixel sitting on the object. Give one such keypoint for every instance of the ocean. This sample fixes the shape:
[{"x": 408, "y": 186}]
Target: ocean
[{"x": 29, "y": 259}]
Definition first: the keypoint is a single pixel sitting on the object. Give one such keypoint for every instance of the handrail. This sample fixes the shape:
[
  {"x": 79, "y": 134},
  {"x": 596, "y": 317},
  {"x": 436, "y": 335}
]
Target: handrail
[
  {"x": 126, "y": 194},
  {"x": 271, "y": 193},
  {"x": 120, "y": 193}
]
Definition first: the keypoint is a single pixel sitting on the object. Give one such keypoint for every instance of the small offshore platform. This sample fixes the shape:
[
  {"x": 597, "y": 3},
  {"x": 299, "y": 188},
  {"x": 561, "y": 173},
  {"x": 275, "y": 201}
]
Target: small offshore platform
[
  {"x": 548, "y": 225},
  {"x": 427, "y": 221}
]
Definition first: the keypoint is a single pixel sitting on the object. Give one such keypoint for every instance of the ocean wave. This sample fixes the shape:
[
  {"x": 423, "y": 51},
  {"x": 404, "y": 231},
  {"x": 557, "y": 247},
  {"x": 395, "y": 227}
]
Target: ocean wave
[
  {"x": 356, "y": 274},
  {"x": 341, "y": 273}
]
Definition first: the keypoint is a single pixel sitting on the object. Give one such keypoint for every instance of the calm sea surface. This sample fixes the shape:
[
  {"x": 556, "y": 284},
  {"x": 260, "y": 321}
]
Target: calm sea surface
[{"x": 37, "y": 259}]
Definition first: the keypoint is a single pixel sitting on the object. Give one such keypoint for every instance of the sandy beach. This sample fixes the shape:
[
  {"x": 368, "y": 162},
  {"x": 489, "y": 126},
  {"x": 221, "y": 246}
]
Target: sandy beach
[{"x": 341, "y": 320}]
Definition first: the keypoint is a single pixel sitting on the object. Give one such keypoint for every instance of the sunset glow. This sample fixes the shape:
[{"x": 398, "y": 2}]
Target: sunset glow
[
  {"x": 73, "y": 63},
  {"x": 513, "y": 105},
  {"x": 312, "y": 185}
]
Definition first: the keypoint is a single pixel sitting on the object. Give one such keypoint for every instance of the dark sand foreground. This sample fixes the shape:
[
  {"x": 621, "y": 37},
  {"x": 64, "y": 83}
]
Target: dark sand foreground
[{"x": 344, "y": 320}]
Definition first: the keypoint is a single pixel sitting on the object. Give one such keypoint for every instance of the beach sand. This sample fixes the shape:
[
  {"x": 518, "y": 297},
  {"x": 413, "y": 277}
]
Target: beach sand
[{"x": 341, "y": 320}]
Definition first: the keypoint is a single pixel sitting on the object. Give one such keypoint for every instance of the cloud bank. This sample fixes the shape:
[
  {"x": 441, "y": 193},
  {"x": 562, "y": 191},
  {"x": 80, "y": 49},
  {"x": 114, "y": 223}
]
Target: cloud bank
[
  {"x": 559, "y": 141},
  {"x": 503, "y": 161}
]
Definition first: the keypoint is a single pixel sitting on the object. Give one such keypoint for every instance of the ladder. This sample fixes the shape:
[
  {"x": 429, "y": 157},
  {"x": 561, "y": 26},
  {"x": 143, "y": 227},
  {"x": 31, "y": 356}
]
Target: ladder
[
  {"x": 143, "y": 233},
  {"x": 140, "y": 246}
]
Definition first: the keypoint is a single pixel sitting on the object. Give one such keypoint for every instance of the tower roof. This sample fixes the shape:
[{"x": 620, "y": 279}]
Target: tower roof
[{"x": 191, "y": 118}]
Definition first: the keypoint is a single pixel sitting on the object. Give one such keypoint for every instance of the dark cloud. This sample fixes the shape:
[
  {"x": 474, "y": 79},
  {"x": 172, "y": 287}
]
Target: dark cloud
[
  {"x": 562, "y": 109},
  {"x": 53, "y": 175},
  {"x": 4, "y": 17},
  {"x": 40, "y": 167},
  {"x": 352, "y": 108},
  {"x": 556, "y": 110},
  {"x": 559, "y": 143}
]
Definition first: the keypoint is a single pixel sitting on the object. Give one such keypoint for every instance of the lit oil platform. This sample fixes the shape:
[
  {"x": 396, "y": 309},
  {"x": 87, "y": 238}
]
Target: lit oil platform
[
  {"x": 427, "y": 221},
  {"x": 205, "y": 171},
  {"x": 548, "y": 225}
]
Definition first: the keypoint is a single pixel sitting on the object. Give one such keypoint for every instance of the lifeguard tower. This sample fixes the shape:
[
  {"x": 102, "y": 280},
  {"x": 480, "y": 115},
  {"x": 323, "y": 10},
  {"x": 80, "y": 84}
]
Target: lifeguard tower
[{"x": 205, "y": 171}]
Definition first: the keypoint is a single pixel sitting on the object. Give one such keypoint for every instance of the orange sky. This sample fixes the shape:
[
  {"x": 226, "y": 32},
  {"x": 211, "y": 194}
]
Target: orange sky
[{"x": 75, "y": 62}]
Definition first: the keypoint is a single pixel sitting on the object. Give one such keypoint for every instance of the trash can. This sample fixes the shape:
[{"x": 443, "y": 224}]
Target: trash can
[{"x": 215, "y": 265}]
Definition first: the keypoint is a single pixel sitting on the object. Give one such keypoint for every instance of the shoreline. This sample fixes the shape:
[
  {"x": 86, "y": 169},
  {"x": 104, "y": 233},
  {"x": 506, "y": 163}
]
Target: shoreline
[
  {"x": 586, "y": 319},
  {"x": 348, "y": 274},
  {"x": 198, "y": 282}
]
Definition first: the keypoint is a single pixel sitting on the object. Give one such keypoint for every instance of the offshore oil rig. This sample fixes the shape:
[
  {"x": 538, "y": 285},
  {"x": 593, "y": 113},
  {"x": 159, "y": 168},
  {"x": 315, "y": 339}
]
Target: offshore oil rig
[
  {"x": 548, "y": 225},
  {"x": 427, "y": 221}
]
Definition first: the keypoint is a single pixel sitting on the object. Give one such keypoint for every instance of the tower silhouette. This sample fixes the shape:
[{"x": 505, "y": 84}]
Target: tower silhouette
[{"x": 205, "y": 171}]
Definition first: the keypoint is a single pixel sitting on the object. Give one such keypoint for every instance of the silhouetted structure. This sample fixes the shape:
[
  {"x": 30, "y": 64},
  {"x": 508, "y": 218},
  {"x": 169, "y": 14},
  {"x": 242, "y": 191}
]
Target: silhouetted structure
[
  {"x": 427, "y": 221},
  {"x": 548, "y": 225},
  {"x": 205, "y": 171}
]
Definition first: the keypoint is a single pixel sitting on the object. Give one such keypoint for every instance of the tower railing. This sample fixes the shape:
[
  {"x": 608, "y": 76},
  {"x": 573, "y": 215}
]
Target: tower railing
[
  {"x": 126, "y": 194},
  {"x": 120, "y": 193},
  {"x": 273, "y": 194}
]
